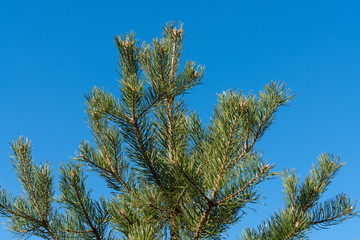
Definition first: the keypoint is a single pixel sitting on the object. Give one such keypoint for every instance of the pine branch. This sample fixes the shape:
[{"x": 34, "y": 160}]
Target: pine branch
[
  {"x": 23, "y": 162},
  {"x": 45, "y": 194},
  {"x": 192, "y": 182},
  {"x": 303, "y": 212},
  {"x": 212, "y": 202},
  {"x": 340, "y": 215},
  {"x": 332, "y": 211},
  {"x": 18, "y": 213},
  {"x": 151, "y": 105},
  {"x": 126, "y": 217},
  {"x": 78, "y": 232},
  {"x": 265, "y": 169},
  {"x": 195, "y": 77},
  {"x": 94, "y": 230},
  {"x": 170, "y": 101},
  {"x": 144, "y": 154},
  {"x": 293, "y": 231},
  {"x": 257, "y": 134},
  {"x": 202, "y": 222},
  {"x": 182, "y": 194},
  {"x": 31, "y": 178},
  {"x": 113, "y": 171},
  {"x": 37, "y": 223}
]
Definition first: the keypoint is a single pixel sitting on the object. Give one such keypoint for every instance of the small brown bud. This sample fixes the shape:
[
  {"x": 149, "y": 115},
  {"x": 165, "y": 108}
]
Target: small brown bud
[
  {"x": 72, "y": 173},
  {"x": 297, "y": 224},
  {"x": 175, "y": 31},
  {"x": 126, "y": 43}
]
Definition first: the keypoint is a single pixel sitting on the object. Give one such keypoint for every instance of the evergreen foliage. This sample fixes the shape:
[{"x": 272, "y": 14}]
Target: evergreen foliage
[{"x": 171, "y": 176}]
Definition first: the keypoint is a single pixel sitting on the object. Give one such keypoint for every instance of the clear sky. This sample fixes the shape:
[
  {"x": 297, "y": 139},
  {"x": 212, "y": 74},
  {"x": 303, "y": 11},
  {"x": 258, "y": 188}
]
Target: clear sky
[{"x": 53, "y": 52}]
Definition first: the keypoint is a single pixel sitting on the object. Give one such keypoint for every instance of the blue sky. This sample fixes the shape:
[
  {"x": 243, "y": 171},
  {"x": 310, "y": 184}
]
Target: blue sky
[{"x": 53, "y": 52}]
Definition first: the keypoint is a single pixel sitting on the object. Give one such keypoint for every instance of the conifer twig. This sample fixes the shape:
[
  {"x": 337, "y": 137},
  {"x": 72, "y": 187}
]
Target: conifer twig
[
  {"x": 257, "y": 176},
  {"x": 82, "y": 207}
]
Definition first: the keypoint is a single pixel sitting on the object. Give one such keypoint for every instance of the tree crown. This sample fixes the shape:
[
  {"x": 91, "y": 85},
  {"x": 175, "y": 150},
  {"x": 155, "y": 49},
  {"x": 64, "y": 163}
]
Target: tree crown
[{"x": 170, "y": 174}]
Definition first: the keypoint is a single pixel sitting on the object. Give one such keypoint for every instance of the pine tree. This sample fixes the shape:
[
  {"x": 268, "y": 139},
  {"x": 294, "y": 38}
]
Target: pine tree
[{"x": 171, "y": 175}]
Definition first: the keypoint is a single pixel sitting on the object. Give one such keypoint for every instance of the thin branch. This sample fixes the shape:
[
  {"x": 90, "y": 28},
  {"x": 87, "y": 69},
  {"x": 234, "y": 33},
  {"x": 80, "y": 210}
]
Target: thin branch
[
  {"x": 182, "y": 194},
  {"x": 94, "y": 230},
  {"x": 74, "y": 231},
  {"x": 32, "y": 193},
  {"x": 172, "y": 70},
  {"x": 211, "y": 203},
  {"x": 255, "y": 139},
  {"x": 93, "y": 163},
  {"x": 222, "y": 168},
  {"x": 192, "y": 183},
  {"x": 314, "y": 191},
  {"x": 202, "y": 221},
  {"x": 199, "y": 139},
  {"x": 20, "y": 213},
  {"x": 116, "y": 117},
  {"x": 126, "y": 45},
  {"x": 332, "y": 218},
  {"x": 143, "y": 150},
  {"x": 290, "y": 235},
  {"x": 46, "y": 223},
  {"x": 158, "y": 208},
  {"x": 170, "y": 101},
  {"x": 45, "y": 193},
  {"x": 187, "y": 83},
  {"x": 38, "y": 222},
  {"x": 257, "y": 176},
  {"x": 51, "y": 231},
  {"x": 157, "y": 100},
  {"x": 126, "y": 217},
  {"x": 115, "y": 173},
  {"x": 116, "y": 160}
]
